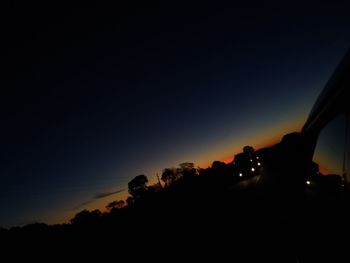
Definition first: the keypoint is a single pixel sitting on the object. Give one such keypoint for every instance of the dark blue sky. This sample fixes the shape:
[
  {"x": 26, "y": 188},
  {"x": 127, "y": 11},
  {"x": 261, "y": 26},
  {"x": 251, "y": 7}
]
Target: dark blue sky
[{"x": 94, "y": 96}]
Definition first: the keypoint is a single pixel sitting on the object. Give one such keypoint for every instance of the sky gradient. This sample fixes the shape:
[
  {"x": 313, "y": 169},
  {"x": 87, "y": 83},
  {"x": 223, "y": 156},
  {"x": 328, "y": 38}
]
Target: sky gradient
[{"x": 96, "y": 96}]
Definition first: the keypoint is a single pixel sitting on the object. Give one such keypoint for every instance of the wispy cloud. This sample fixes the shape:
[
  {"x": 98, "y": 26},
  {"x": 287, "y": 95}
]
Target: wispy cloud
[
  {"x": 95, "y": 197},
  {"x": 103, "y": 195}
]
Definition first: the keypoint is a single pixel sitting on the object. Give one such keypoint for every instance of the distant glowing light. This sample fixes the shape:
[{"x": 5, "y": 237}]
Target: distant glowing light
[
  {"x": 240, "y": 174},
  {"x": 253, "y": 169},
  {"x": 251, "y": 160},
  {"x": 308, "y": 182},
  {"x": 257, "y": 157},
  {"x": 259, "y": 164}
]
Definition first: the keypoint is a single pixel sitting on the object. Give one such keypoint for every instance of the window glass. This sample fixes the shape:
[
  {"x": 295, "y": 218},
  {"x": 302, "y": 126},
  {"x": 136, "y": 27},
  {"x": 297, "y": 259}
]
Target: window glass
[{"x": 331, "y": 147}]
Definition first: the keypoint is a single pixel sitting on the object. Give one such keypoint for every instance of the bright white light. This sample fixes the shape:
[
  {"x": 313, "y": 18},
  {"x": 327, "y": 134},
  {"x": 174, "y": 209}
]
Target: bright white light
[
  {"x": 308, "y": 182},
  {"x": 240, "y": 174},
  {"x": 251, "y": 160},
  {"x": 253, "y": 169},
  {"x": 257, "y": 157},
  {"x": 259, "y": 164}
]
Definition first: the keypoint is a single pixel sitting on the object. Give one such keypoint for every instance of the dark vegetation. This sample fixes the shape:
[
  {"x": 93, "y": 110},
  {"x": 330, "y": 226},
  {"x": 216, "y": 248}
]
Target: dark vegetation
[{"x": 221, "y": 211}]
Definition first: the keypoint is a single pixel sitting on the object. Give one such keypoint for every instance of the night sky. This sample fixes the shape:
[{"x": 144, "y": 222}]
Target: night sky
[{"x": 93, "y": 96}]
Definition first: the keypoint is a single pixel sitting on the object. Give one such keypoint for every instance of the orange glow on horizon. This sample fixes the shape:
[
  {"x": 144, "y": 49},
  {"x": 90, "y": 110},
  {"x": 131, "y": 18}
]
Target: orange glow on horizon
[
  {"x": 263, "y": 138},
  {"x": 224, "y": 152},
  {"x": 324, "y": 170},
  {"x": 228, "y": 160}
]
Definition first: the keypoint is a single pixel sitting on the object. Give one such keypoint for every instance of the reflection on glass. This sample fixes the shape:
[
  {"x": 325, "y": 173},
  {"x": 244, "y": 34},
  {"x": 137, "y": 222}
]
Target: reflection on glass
[{"x": 330, "y": 148}]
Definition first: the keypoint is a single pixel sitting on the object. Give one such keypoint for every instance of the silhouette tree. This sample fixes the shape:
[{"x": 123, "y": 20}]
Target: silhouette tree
[
  {"x": 219, "y": 166},
  {"x": 85, "y": 217},
  {"x": 169, "y": 175},
  {"x": 187, "y": 169},
  {"x": 138, "y": 186},
  {"x": 129, "y": 200},
  {"x": 115, "y": 205},
  {"x": 248, "y": 150}
]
